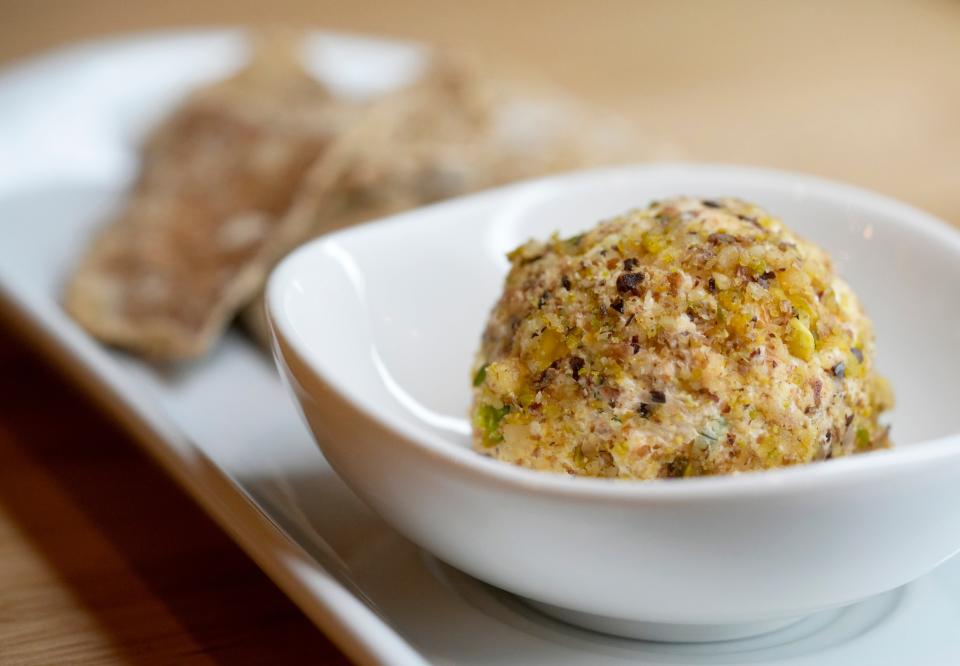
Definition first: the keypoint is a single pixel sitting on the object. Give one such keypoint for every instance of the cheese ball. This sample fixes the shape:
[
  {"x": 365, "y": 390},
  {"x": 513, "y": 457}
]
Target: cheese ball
[{"x": 694, "y": 337}]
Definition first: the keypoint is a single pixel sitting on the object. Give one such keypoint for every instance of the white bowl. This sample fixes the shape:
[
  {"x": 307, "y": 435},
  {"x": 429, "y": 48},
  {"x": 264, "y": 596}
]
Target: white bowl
[{"x": 375, "y": 329}]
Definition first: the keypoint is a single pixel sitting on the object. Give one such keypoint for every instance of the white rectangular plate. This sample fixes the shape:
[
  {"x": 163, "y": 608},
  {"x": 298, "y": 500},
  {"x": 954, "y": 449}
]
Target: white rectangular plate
[{"x": 226, "y": 431}]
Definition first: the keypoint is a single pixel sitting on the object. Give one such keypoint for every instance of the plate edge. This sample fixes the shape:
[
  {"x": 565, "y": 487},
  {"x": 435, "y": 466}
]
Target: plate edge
[{"x": 260, "y": 538}]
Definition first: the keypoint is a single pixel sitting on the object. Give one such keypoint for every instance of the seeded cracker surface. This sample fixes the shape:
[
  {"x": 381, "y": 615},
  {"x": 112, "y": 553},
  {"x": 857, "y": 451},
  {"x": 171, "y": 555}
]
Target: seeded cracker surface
[{"x": 694, "y": 337}]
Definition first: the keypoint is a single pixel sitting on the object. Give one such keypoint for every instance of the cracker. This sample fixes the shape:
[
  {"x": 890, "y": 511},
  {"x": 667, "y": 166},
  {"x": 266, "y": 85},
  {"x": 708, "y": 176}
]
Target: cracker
[
  {"x": 458, "y": 130},
  {"x": 206, "y": 218}
]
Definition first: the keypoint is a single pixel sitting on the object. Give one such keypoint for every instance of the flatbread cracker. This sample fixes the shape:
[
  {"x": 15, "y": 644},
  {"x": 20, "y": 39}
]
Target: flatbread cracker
[
  {"x": 457, "y": 130},
  {"x": 206, "y": 218}
]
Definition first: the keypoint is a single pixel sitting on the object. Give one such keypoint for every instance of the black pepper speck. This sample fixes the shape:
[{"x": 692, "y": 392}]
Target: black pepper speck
[
  {"x": 576, "y": 365},
  {"x": 629, "y": 282}
]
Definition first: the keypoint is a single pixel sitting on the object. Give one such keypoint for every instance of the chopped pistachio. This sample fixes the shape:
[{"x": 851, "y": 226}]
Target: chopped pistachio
[
  {"x": 547, "y": 348},
  {"x": 800, "y": 340},
  {"x": 480, "y": 375},
  {"x": 487, "y": 419},
  {"x": 742, "y": 329}
]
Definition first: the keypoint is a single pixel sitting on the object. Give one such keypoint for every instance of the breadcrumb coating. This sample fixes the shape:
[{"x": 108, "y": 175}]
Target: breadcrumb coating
[{"x": 694, "y": 337}]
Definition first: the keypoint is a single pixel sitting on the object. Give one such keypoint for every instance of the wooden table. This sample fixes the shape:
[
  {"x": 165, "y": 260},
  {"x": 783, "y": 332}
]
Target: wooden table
[{"x": 103, "y": 559}]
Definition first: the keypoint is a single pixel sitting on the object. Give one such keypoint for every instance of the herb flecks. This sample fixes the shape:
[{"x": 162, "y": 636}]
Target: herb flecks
[
  {"x": 487, "y": 419},
  {"x": 480, "y": 375}
]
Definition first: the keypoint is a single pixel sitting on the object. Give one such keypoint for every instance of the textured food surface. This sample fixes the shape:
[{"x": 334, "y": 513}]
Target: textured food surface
[
  {"x": 458, "y": 129},
  {"x": 693, "y": 337},
  {"x": 247, "y": 169},
  {"x": 206, "y": 219}
]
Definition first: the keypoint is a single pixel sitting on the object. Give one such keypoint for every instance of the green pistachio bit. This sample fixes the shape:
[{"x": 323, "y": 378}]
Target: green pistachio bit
[
  {"x": 863, "y": 438},
  {"x": 714, "y": 430},
  {"x": 572, "y": 245},
  {"x": 487, "y": 419},
  {"x": 800, "y": 340},
  {"x": 481, "y": 375}
]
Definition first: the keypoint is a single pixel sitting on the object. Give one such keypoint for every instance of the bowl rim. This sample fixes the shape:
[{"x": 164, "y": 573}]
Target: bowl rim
[{"x": 869, "y": 467}]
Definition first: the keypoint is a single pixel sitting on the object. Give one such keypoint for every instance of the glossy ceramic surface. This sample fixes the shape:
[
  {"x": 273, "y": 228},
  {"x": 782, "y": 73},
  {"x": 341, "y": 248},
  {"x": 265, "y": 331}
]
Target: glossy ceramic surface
[{"x": 376, "y": 328}]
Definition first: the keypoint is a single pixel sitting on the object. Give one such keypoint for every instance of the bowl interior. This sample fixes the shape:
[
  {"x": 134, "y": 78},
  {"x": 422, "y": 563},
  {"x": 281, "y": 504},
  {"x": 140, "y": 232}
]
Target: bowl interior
[{"x": 391, "y": 313}]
